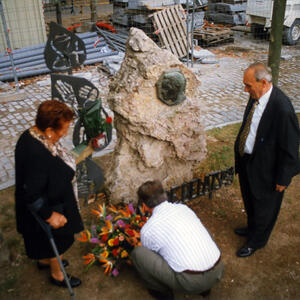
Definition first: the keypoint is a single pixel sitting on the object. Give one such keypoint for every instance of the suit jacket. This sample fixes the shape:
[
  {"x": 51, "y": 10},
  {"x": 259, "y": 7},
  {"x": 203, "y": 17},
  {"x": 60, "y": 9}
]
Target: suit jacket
[
  {"x": 40, "y": 174},
  {"x": 275, "y": 156}
]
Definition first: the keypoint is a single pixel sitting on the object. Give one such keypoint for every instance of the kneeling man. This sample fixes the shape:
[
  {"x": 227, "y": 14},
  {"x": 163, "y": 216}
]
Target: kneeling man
[{"x": 177, "y": 252}]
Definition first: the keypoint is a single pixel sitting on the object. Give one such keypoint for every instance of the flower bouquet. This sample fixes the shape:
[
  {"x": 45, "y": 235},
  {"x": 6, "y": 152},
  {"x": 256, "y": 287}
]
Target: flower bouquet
[{"x": 114, "y": 236}]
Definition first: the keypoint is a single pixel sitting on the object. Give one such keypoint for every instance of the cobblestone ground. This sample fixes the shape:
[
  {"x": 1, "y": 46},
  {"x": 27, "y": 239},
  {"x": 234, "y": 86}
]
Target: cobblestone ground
[{"x": 221, "y": 85}]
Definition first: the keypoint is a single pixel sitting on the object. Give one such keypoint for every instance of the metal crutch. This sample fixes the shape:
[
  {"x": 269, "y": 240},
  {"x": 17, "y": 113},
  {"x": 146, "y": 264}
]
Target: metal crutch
[{"x": 47, "y": 228}]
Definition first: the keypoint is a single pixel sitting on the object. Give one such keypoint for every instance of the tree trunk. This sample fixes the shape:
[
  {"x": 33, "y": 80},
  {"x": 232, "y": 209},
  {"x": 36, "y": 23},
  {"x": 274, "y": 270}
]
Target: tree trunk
[{"x": 276, "y": 38}]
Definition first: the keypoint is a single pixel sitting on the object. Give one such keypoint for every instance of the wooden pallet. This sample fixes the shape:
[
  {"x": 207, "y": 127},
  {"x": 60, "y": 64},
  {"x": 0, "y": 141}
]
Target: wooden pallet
[
  {"x": 211, "y": 36},
  {"x": 170, "y": 27}
]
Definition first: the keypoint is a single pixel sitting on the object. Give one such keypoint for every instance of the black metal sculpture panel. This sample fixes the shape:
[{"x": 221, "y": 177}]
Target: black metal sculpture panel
[
  {"x": 64, "y": 50},
  {"x": 75, "y": 91},
  {"x": 92, "y": 124}
]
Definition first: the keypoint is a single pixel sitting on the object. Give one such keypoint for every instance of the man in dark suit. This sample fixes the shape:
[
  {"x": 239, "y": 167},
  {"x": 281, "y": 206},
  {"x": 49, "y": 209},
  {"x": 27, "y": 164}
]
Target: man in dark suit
[{"x": 266, "y": 155}]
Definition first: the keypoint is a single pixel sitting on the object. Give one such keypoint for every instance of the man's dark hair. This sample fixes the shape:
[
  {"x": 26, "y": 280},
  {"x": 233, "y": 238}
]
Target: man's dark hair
[{"x": 151, "y": 193}]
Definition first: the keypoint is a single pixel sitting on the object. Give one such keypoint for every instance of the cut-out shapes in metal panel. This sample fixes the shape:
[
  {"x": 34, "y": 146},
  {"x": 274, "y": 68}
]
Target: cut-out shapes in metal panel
[
  {"x": 78, "y": 93},
  {"x": 72, "y": 90},
  {"x": 64, "y": 50},
  {"x": 171, "y": 87}
]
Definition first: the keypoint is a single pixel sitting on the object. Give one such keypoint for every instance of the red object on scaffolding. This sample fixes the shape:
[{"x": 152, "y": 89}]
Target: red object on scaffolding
[{"x": 106, "y": 26}]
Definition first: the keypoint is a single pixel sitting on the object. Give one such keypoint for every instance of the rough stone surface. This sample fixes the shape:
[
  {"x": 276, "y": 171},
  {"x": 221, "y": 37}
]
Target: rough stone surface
[{"x": 155, "y": 141}]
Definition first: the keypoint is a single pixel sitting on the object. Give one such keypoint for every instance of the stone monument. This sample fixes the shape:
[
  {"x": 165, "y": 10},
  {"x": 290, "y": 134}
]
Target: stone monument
[{"x": 155, "y": 139}]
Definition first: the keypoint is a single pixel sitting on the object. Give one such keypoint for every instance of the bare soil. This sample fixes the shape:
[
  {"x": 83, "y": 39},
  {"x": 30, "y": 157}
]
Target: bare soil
[{"x": 271, "y": 273}]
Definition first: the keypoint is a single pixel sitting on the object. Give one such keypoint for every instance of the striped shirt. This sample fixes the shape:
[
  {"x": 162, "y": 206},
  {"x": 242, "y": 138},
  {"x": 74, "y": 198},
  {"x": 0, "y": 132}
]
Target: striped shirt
[{"x": 177, "y": 234}]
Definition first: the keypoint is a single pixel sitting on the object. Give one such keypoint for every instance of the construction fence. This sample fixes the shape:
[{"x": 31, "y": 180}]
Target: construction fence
[{"x": 176, "y": 25}]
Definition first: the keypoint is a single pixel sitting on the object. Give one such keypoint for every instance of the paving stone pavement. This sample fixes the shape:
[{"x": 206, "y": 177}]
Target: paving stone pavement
[{"x": 221, "y": 87}]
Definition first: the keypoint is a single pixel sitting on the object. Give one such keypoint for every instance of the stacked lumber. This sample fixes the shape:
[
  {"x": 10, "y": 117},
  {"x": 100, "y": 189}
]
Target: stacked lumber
[
  {"x": 213, "y": 35},
  {"x": 227, "y": 12}
]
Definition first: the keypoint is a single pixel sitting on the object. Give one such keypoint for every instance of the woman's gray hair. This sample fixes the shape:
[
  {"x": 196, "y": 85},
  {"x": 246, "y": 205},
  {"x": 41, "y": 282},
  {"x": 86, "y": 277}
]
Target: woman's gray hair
[{"x": 261, "y": 71}]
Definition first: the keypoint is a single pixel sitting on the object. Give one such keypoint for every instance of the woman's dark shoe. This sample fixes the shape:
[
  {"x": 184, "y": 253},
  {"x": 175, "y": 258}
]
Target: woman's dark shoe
[
  {"x": 42, "y": 266},
  {"x": 74, "y": 282}
]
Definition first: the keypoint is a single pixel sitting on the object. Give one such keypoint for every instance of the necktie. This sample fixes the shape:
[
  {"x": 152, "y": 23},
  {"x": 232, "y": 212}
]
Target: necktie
[{"x": 246, "y": 129}]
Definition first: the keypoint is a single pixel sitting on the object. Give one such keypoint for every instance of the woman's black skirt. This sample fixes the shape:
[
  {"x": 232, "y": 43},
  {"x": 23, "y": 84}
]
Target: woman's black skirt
[{"x": 38, "y": 245}]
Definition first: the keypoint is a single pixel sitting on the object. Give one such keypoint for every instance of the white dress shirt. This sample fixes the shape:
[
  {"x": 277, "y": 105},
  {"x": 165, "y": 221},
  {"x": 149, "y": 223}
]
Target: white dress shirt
[
  {"x": 177, "y": 234},
  {"x": 259, "y": 109}
]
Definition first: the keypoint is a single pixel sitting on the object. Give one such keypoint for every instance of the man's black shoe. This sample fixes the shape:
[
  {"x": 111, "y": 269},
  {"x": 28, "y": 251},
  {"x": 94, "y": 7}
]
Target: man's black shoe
[
  {"x": 161, "y": 296},
  {"x": 245, "y": 251},
  {"x": 74, "y": 282},
  {"x": 243, "y": 231}
]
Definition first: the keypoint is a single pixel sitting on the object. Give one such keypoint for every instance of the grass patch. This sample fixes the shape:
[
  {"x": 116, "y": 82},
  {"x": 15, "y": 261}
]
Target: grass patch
[{"x": 220, "y": 155}]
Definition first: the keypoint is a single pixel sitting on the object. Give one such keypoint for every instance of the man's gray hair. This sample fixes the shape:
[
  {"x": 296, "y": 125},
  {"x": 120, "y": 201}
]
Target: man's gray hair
[{"x": 261, "y": 71}]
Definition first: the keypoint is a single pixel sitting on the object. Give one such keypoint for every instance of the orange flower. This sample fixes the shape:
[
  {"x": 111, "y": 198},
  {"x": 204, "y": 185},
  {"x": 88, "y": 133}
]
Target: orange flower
[
  {"x": 99, "y": 213},
  {"x": 110, "y": 242},
  {"x": 145, "y": 209},
  {"x": 124, "y": 254},
  {"x": 90, "y": 258},
  {"x": 104, "y": 254},
  {"x": 113, "y": 209},
  {"x": 126, "y": 214},
  {"x": 108, "y": 265},
  {"x": 108, "y": 228},
  {"x": 141, "y": 224},
  {"x": 85, "y": 236}
]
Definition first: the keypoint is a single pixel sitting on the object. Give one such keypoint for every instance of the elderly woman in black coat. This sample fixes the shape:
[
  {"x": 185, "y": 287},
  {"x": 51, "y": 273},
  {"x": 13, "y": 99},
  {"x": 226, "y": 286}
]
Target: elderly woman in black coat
[{"x": 45, "y": 175}]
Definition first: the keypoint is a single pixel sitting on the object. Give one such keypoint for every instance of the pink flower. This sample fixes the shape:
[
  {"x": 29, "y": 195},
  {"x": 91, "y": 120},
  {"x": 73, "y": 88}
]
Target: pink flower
[
  {"x": 131, "y": 208},
  {"x": 115, "y": 272},
  {"x": 121, "y": 223},
  {"x": 94, "y": 241},
  {"x": 109, "y": 217}
]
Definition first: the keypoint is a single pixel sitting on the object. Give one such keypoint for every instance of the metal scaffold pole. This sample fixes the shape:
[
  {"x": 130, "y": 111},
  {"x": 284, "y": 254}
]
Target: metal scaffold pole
[
  {"x": 192, "y": 32},
  {"x": 187, "y": 33},
  {"x": 9, "y": 50}
]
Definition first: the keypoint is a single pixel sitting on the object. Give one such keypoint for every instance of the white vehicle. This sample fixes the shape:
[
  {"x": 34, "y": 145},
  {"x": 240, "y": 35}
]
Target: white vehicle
[{"x": 259, "y": 13}]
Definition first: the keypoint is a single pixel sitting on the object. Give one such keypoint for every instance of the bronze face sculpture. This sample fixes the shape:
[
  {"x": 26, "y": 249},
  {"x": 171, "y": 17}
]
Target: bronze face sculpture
[{"x": 171, "y": 87}]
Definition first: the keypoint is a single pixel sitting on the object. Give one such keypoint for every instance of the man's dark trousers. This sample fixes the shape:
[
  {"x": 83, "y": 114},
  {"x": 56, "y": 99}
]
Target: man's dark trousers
[{"x": 261, "y": 212}]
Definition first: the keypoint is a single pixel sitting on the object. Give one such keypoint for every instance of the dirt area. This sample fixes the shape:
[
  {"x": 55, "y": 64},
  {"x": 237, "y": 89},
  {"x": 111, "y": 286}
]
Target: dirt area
[{"x": 271, "y": 273}]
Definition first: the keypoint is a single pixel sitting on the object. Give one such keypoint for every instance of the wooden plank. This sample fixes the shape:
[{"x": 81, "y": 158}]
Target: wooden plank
[
  {"x": 171, "y": 31},
  {"x": 179, "y": 23},
  {"x": 180, "y": 42},
  {"x": 161, "y": 36},
  {"x": 166, "y": 33}
]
